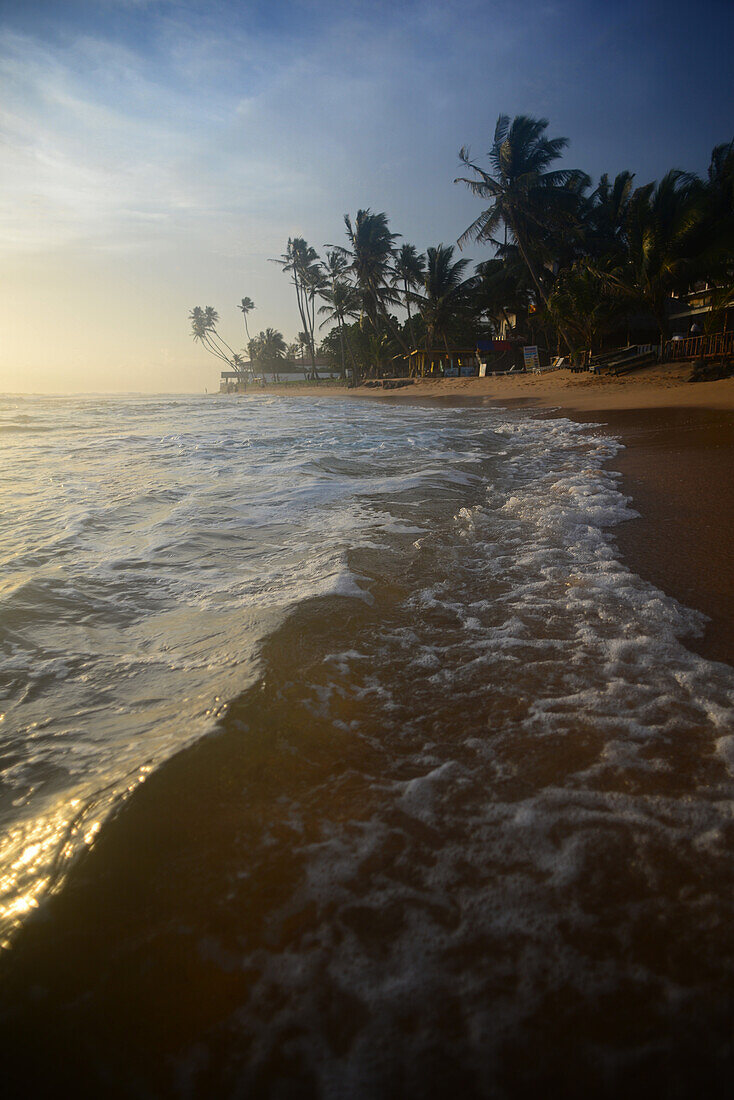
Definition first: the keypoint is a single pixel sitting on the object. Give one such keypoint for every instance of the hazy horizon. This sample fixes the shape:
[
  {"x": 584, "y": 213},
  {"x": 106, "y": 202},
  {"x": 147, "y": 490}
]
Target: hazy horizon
[{"x": 156, "y": 154}]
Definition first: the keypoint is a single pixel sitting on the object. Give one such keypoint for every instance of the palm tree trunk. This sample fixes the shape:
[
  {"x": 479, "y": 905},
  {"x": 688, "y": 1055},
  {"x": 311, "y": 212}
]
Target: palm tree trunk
[
  {"x": 312, "y": 323},
  {"x": 216, "y": 351},
  {"x": 355, "y": 365},
  {"x": 341, "y": 343},
  {"x": 299, "y": 292},
  {"x": 536, "y": 279},
  {"x": 410, "y": 319},
  {"x": 391, "y": 328}
]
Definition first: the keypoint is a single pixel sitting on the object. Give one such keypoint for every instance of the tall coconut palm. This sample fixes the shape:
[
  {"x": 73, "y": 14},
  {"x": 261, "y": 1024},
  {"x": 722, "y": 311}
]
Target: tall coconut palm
[
  {"x": 409, "y": 270},
  {"x": 370, "y": 259},
  {"x": 445, "y": 293},
  {"x": 246, "y": 306},
  {"x": 527, "y": 198},
  {"x": 606, "y": 219},
  {"x": 341, "y": 301},
  {"x": 301, "y": 262}
]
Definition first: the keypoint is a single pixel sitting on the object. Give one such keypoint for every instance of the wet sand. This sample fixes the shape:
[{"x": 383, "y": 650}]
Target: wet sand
[{"x": 677, "y": 467}]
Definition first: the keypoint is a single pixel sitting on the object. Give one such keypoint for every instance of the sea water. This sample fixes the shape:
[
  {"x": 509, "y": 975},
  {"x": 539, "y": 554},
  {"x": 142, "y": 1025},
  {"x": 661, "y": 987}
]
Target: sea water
[{"x": 343, "y": 756}]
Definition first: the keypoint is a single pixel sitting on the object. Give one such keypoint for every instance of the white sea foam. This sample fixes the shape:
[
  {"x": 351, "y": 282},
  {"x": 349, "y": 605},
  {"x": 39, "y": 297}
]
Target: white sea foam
[{"x": 529, "y": 713}]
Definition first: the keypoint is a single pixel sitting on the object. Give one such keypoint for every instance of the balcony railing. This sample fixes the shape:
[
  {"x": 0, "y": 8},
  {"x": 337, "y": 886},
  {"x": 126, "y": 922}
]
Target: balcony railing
[{"x": 701, "y": 347}]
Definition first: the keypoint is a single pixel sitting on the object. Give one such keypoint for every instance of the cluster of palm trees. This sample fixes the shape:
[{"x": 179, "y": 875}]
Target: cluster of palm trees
[
  {"x": 572, "y": 263},
  {"x": 204, "y": 321},
  {"x": 587, "y": 260},
  {"x": 267, "y": 349},
  {"x": 361, "y": 283}
]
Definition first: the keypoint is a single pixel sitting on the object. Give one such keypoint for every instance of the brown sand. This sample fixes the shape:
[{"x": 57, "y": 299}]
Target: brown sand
[
  {"x": 677, "y": 467},
  {"x": 653, "y": 387}
]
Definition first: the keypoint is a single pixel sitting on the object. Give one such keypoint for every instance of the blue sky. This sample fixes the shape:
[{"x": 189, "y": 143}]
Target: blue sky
[{"x": 154, "y": 154}]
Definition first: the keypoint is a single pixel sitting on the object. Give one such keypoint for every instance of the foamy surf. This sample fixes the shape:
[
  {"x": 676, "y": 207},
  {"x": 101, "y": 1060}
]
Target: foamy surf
[{"x": 477, "y": 800}]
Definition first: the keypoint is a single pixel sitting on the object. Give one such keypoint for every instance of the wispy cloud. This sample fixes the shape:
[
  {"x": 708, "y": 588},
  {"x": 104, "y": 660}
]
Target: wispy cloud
[{"x": 169, "y": 147}]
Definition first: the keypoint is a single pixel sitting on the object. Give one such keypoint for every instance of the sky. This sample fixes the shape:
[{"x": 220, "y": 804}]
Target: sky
[{"x": 155, "y": 154}]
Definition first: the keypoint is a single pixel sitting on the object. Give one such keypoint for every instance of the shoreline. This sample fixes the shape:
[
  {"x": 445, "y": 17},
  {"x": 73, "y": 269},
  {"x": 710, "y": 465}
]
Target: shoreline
[
  {"x": 676, "y": 468},
  {"x": 657, "y": 386}
]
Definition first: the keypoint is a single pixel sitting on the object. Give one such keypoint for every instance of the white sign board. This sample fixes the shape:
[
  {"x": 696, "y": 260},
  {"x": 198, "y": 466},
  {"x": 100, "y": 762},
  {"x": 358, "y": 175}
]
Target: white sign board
[{"x": 531, "y": 357}]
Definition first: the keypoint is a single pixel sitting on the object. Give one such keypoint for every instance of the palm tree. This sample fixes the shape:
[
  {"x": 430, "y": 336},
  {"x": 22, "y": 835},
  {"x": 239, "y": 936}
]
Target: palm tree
[
  {"x": 582, "y": 301},
  {"x": 246, "y": 306},
  {"x": 301, "y": 262},
  {"x": 721, "y": 178},
  {"x": 272, "y": 345},
  {"x": 718, "y": 204},
  {"x": 503, "y": 288},
  {"x": 342, "y": 301},
  {"x": 370, "y": 258},
  {"x": 445, "y": 293},
  {"x": 665, "y": 224},
  {"x": 267, "y": 349},
  {"x": 203, "y": 328},
  {"x": 606, "y": 219},
  {"x": 527, "y": 198},
  {"x": 409, "y": 270}
]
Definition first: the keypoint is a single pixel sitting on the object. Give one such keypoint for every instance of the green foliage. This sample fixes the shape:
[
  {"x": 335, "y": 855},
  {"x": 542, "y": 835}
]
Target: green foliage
[
  {"x": 569, "y": 261},
  {"x": 583, "y": 301},
  {"x": 267, "y": 348},
  {"x": 666, "y": 236},
  {"x": 445, "y": 296}
]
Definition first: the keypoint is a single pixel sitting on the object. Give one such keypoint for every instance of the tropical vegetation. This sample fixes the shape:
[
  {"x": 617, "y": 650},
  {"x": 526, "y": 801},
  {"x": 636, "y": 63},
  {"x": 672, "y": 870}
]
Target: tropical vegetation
[{"x": 569, "y": 264}]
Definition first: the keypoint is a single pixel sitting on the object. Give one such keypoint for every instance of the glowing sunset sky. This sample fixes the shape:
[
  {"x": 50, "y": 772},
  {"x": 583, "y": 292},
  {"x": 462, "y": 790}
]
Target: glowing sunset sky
[{"x": 155, "y": 153}]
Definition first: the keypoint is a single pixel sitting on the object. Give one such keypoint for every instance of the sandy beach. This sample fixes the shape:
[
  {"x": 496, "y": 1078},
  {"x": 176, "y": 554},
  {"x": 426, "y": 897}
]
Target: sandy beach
[
  {"x": 664, "y": 386},
  {"x": 679, "y": 440}
]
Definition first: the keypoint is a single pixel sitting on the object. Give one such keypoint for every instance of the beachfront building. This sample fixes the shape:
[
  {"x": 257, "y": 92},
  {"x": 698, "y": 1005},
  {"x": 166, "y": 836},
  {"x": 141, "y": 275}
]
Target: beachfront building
[
  {"x": 486, "y": 357},
  {"x": 443, "y": 363},
  {"x": 500, "y": 356},
  {"x": 275, "y": 372},
  {"x": 689, "y": 312}
]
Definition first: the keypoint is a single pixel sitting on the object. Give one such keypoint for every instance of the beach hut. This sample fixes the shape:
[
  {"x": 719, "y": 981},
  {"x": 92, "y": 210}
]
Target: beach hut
[{"x": 443, "y": 363}]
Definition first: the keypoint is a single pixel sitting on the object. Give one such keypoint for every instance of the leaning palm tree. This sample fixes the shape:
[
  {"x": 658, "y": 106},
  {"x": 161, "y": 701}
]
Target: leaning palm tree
[
  {"x": 203, "y": 330},
  {"x": 211, "y": 318},
  {"x": 409, "y": 270},
  {"x": 445, "y": 293},
  {"x": 528, "y": 198},
  {"x": 246, "y": 306}
]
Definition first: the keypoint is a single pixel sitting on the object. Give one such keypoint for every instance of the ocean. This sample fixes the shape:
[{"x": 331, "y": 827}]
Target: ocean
[{"x": 343, "y": 756}]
